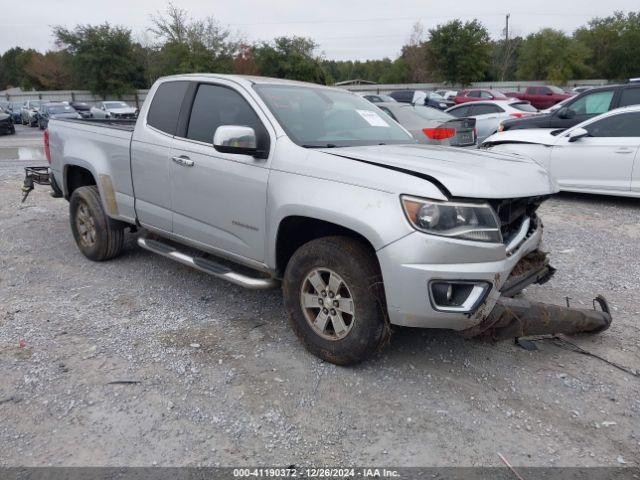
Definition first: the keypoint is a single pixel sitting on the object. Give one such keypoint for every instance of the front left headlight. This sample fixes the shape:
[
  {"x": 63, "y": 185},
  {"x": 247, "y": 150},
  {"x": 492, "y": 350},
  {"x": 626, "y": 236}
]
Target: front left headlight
[{"x": 467, "y": 221}]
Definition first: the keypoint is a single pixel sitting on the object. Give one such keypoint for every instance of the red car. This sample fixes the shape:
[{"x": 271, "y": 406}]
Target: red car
[
  {"x": 542, "y": 97},
  {"x": 475, "y": 94}
]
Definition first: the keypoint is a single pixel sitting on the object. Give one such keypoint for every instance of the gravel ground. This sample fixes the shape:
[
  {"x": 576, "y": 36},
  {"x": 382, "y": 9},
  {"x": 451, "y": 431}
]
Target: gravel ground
[{"x": 212, "y": 375}]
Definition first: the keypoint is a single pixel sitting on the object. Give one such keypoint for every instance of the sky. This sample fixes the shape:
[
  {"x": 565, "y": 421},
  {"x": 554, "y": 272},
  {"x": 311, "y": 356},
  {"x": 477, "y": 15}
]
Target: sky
[{"x": 355, "y": 29}]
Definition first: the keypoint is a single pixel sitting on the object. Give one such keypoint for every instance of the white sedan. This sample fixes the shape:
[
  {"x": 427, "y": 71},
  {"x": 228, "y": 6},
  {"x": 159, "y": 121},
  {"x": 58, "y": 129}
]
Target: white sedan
[
  {"x": 599, "y": 155},
  {"x": 489, "y": 113}
]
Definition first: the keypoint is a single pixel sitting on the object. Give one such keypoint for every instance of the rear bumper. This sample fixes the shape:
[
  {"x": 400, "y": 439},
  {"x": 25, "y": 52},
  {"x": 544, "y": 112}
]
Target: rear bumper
[{"x": 411, "y": 263}]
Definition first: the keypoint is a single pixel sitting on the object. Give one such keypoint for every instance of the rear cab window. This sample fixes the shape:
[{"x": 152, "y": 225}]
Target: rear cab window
[{"x": 165, "y": 106}]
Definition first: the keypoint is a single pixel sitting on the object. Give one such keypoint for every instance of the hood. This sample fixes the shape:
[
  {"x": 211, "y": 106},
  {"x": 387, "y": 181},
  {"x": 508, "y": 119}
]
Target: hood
[
  {"x": 540, "y": 136},
  {"x": 469, "y": 173},
  {"x": 122, "y": 110}
]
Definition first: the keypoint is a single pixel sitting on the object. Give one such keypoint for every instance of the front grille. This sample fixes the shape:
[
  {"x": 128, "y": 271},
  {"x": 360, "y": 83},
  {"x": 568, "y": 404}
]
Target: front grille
[{"x": 512, "y": 213}]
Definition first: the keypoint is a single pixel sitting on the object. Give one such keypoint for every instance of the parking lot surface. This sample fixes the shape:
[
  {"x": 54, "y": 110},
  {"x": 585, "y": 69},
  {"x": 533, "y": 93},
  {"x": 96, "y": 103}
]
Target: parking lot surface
[{"x": 141, "y": 361}]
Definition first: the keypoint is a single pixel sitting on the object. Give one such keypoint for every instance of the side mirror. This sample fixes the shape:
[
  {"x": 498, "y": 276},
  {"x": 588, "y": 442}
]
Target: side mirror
[
  {"x": 566, "y": 113},
  {"x": 237, "y": 139},
  {"x": 576, "y": 134}
]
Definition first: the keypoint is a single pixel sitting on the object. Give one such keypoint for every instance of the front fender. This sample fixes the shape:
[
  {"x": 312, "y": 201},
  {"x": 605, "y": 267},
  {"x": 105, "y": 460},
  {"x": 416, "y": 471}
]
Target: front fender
[{"x": 374, "y": 214}]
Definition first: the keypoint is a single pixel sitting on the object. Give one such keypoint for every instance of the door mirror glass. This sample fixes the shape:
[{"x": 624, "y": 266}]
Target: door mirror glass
[
  {"x": 566, "y": 113},
  {"x": 577, "y": 134},
  {"x": 236, "y": 139}
]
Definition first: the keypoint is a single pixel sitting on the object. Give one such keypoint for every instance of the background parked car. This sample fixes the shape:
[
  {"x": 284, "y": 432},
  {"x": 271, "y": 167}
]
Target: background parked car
[
  {"x": 378, "y": 98},
  {"x": 580, "y": 108},
  {"x": 15, "y": 109},
  {"x": 595, "y": 156},
  {"x": 432, "y": 126},
  {"x": 477, "y": 94},
  {"x": 447, "y": 94},
  {"x": 418, "y": 97},
  {"x": 490, "y": 113},
  {"x": 113, "y": 109},
  {"x": 55, "y": 110},
  {"x": 6, "y": 123},
  {"x": 542, "y": 97},
  {"x": 29, "y": 112},
  {"x": 84, "y": 109}
]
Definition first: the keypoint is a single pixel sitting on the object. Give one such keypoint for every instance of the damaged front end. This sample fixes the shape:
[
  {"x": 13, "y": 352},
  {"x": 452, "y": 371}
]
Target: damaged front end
[{"x": 513, "y": 318}]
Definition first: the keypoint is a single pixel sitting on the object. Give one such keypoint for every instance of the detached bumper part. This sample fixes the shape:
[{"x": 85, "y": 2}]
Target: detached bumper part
[
  {"x": 511, "y": 318},
  {"x": 40, "y": 176}
]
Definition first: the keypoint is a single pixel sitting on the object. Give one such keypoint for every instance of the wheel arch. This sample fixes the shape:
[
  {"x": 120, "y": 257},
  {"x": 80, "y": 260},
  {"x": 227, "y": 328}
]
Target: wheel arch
[{"x": 296, "y": 230}]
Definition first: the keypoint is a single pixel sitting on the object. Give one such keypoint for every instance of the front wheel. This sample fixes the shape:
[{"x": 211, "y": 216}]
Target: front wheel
[
  {"x": 334, "y": 298},
  {"x": 98, "y": 237}
]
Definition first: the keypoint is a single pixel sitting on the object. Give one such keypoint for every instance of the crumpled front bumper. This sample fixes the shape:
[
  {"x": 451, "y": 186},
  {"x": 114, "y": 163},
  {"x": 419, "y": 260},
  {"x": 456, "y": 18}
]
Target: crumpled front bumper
[
  {"x": 409, "y": 264},
  {"x": 413, "y": 263}
]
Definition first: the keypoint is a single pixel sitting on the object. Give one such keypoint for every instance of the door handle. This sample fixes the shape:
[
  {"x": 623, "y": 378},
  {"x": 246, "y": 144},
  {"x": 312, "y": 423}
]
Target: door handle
[
  {"x": 183, "y": 160},
  {"x": 624, "y": 150}
]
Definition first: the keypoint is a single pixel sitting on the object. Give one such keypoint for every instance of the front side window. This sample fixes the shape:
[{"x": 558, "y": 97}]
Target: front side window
[
  {"x": 592, "y": 103},
  {"x": 318, "y": 117},
  {"x": 215, "y": 106},
  {"x": 474, "y": 94},
  {"x": 622, "y": 125}
]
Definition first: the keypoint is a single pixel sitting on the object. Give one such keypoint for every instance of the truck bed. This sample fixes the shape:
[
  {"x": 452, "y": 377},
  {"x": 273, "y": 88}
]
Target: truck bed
[{"x": 120, "y": 124}]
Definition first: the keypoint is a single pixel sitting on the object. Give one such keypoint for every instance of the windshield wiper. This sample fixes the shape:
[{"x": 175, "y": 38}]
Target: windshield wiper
[{"x": 326, "y": 145}]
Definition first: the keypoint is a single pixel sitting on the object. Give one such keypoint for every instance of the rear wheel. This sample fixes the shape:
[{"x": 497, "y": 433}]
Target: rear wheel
[
  {"x": 335, "y": 301},
  {"x": 97, "y": 236}
]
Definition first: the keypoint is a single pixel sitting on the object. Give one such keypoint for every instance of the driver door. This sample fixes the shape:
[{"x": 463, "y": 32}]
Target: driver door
[
  {"x": 219, "y": 199},
  {"x": 603, "y": 160}
]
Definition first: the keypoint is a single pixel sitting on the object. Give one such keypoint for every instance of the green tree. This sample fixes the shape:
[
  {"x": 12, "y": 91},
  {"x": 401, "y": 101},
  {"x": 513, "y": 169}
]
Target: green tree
[
  {"x": 12, "y": 69},
  {"x": 553, "y": 56},
  {"x": 460, "y": 53},
  {"x": 104, "y": 58},
  {"x": 186, "y": 45},
  {"x": 290, "y": 57},
  {"x": 614, "y": 45},
  {"x": 50, "y": 71}
]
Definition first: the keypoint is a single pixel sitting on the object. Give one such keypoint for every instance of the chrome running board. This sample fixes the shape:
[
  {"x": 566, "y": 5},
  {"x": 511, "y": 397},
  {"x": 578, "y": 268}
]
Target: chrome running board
[{"x": 207, "y": 266}]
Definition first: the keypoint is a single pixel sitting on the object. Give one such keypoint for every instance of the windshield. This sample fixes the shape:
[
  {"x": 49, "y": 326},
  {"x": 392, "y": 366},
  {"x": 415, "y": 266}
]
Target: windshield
[
  {"x": 115, "y": 105},
  {"x": 523, "y": 106},
  {"x": 321, "y": 117},
  {"x": 556, "y": 90},
  {"x": 60, "y": 109}
]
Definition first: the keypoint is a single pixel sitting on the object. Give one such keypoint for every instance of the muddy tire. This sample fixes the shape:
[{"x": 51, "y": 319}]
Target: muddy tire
[
  {"x": 334, "y": 298},
  {"x": 98, "y": 237}
]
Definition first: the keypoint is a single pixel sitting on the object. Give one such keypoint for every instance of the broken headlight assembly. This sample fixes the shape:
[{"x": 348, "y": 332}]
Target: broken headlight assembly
[{"x": 466, "y": 221}]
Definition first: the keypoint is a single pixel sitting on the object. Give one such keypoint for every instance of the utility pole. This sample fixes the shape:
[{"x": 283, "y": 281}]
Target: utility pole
[
  {"x": 506, "y": 28},
  {"x": 507, "y": 50}
]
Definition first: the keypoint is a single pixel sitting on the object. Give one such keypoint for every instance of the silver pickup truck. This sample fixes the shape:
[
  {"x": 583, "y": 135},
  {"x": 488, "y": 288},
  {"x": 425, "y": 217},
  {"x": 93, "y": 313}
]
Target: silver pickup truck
[{"x": 263, "y": 182}]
